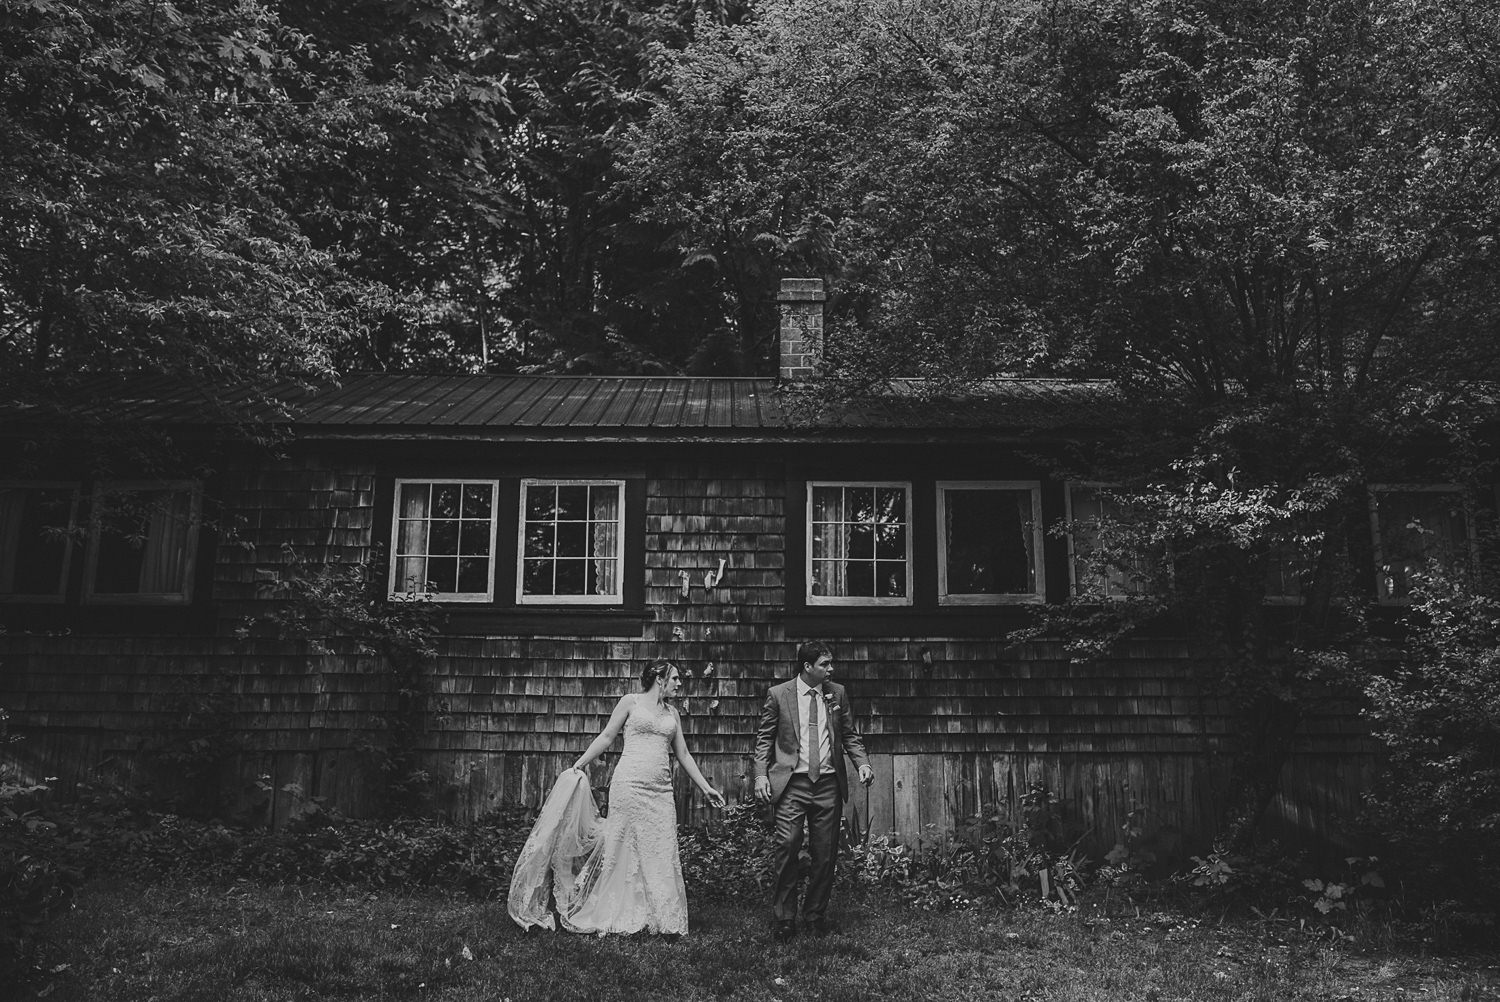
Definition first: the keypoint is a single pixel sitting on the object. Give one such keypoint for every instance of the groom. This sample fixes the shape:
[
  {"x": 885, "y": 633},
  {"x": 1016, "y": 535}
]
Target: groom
[{"x": 806, "y": 728}]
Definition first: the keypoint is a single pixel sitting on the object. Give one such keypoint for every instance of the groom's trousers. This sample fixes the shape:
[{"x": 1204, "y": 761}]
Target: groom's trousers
[{"x": 820, "y": 807}]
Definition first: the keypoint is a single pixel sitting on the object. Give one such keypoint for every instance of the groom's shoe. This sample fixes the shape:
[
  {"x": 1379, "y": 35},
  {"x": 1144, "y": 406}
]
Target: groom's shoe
[{"x": 785, "y": 931}]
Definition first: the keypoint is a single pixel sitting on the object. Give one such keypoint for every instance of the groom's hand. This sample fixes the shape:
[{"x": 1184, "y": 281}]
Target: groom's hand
[
  {"x": 866, "y": 775},
  {"x": 763, "y": 789}
]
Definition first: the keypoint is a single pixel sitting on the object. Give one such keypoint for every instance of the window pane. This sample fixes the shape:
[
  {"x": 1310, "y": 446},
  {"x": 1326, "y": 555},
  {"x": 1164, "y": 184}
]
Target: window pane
[
  {"x": 474, "y": 538},
  {"x": 988, "y": 543},
  {"x": 411, "y": 575},
  {"x": 536, "y": 577},
  {"x": 541, "y": 540},
  {"x": 412, "y": 537},
  {"x": 890, "y": 542},
  {"x": 572, "y": 539},
  {"x": 1417, "y": 527},
  {"x": 861, "y": 542},
  {"x": 604, "y": 503},
  {"x": 445, "y": 500},
  {"x": 859, "y": 504},
  {"x": 570, "y": 577},
  {"x": 414, "y": 499},
  {"x": 572, "y": 503},
  {"x": 827, "y": 578},
  {"x": 478, "y": 501},
  {"x": 143, "y": 541},
  {"x": 541, "y": 502},
  {"x": 443, "y": 540},
  {"x": 827, "y": 504},
  {"x": 860, "y": 578},
  {"x": 890, "y": 578},
  {"x": 442, "y": 574},
  {"x": 473, "y": 574}
]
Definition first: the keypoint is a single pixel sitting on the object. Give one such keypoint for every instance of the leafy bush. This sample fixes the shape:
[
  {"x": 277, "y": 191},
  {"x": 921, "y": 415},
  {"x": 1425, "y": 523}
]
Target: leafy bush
[
  {"x": 730, "y": 856},
  {"x": 1438, "y": 713},
  {"x": 37, "y": 874}
]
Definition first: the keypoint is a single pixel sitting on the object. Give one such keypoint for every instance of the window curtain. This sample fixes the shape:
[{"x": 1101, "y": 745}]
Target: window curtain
[
  {"x": 831, "y": 532},
  {"x": 164, "y": 557},
  {"x": 411, "y": 538},
  {"x": 604, "y": 513},
  {"x": 12, "y": 508}
]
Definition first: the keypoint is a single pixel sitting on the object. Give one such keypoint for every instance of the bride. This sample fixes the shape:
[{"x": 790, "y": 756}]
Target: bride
[{"x": 621, "y": 874}]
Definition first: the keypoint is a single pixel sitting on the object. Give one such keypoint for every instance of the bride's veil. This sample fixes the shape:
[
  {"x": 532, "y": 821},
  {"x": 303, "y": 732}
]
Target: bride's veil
[{"x": 548, "y": 865}]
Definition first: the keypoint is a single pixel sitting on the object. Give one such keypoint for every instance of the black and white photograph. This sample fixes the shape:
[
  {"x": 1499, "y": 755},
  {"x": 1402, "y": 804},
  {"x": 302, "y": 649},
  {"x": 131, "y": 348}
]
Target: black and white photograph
[{"x": 768, "y": 500}]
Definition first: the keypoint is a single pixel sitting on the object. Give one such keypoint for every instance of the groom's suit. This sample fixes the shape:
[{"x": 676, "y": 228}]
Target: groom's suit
[{"x": 779, "y": 747}]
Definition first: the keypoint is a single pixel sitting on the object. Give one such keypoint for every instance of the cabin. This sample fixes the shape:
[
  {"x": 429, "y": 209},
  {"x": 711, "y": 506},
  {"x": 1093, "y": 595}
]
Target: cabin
[{"x": 565, "y": 530}]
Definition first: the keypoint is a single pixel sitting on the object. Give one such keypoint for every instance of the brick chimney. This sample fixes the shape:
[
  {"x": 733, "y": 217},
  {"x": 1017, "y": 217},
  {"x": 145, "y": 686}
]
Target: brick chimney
[{"x": 801, "y": 306}]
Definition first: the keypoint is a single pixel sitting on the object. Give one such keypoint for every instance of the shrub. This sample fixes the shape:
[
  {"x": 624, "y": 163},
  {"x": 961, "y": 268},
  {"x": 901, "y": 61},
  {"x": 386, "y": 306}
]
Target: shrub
[
  {"x": 1438, "y": 713},
  {"x": 730, "y": 856},
  {"x": 37, "y": 874}
]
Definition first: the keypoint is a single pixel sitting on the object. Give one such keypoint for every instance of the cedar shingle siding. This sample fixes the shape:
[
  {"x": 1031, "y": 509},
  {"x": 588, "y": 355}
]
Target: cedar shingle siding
[{"x": 510, "y": 706}]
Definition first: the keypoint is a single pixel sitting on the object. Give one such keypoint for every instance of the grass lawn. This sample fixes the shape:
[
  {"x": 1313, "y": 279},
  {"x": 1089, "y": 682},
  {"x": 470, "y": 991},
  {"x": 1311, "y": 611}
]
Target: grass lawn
[{"x": 141, "y": 942}]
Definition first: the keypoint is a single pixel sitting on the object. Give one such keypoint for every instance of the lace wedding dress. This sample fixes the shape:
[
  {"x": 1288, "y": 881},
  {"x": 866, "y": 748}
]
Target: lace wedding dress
[{"x": 619, "y": 874}]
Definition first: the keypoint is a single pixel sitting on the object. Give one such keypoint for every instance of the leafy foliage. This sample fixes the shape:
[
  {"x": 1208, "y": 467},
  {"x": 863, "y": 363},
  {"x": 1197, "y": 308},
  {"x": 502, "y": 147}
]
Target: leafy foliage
[
  {"x": 38, "y": 870},
  {"x": 1272, "y": 228},
  {"x": 1438, "y": 713}
]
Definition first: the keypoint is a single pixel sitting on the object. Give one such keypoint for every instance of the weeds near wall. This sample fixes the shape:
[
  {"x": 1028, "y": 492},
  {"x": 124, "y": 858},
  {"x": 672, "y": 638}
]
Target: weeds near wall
[{"x": 341, "y": 611}]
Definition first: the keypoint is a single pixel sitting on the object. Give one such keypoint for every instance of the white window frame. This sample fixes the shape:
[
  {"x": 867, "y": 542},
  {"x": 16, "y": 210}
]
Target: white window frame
[
  {"x": 190, "y": 554},
  {"x": 75, "y": 488},
  {"x": 1038, "y": 540},
  {"x": 488, "y": 595},
  {"x": 807, "y": 547},
  {"x": 618, "y": 597},
  {"x": 1468, "y": 545}
]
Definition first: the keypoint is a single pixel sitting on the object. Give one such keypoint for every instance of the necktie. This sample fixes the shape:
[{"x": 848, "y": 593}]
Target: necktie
[{"x": 814, "y": 738}]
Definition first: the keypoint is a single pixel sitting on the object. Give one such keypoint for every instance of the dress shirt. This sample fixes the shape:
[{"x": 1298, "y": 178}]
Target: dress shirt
[{"x": 825, "y": 732}]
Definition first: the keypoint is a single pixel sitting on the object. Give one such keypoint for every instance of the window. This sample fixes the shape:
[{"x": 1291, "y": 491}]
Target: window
[
  {"x": 36, "y": 540},
  {"x": 443, "y": 540},
  {"x": 1414, "y": 525},
  {"x": 1096, "y": 524},
  {"x": 1289, "y": 565},
  {"x": 570, "y": 541},
  {"x": 989, "y": 542},
  {"x": 859, "y": 543},
  {"x": 143, "y": 543}
]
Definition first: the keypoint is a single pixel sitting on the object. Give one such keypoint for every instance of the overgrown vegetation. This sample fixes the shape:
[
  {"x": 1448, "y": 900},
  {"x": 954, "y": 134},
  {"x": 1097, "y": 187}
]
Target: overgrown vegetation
[
  {"x": 40, "y": 869},
  {"x": 338, "y": 610},
  {"x": 1438, "y": 713}
]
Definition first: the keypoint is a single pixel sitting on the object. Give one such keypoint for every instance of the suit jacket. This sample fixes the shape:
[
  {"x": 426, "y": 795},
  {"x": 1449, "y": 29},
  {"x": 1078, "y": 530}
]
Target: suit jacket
[{"x": 776, "y": 738}]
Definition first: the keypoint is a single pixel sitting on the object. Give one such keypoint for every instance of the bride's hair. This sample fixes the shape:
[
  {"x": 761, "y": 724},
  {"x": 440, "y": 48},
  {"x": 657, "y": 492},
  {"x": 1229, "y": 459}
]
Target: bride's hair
[{"x": 656, "y": 671}]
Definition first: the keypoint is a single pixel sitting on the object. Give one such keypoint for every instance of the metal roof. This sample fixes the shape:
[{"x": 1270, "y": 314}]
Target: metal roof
[{"x": 595, "y": 407}]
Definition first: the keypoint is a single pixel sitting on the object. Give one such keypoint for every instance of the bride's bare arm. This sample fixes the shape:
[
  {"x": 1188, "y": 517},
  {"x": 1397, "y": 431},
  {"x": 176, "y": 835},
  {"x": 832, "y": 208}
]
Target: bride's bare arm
[
  {"x": 611, "y": 731},
  {"x": 679, "y": 745}
]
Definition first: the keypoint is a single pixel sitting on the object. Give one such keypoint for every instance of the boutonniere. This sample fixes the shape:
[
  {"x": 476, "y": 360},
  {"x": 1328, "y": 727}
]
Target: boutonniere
[{"x": 828, "y": 700}]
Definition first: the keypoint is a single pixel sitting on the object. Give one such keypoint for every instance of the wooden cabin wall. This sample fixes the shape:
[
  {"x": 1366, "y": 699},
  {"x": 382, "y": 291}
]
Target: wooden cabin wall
[{"x": 507, "y": 713}]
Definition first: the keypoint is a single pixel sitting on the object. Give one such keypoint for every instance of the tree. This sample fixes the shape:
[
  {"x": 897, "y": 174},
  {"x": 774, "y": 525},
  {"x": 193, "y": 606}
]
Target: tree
[
  {"x": 144, "y": 193},
  {"x": 1273, "y": 226}
]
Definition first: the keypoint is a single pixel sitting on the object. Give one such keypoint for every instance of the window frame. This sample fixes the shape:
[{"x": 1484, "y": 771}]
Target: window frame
[
  {"x": 857, "y": 601},
  {"x": 88, "y": 596},
  {"x": 456, "y": 598},
  {"x": 1038, "y": 595},
  {"x": 76, "y": 490},
  {"x": 1469, "y": 545},
  {"x": 621, "y": 523}
]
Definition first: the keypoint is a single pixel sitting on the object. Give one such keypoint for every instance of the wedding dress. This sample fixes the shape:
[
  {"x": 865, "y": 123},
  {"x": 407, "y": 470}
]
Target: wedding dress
[{"x": 618, "y": 874}]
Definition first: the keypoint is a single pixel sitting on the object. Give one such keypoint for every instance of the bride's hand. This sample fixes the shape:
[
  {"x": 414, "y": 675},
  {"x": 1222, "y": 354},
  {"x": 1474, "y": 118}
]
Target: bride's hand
[{"x": 715, "y": 797}]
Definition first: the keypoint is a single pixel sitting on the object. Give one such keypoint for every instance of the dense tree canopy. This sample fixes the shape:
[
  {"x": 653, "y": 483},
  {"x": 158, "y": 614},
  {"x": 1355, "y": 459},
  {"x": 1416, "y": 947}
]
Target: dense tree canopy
[{"x": 1273, "y": 225}]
